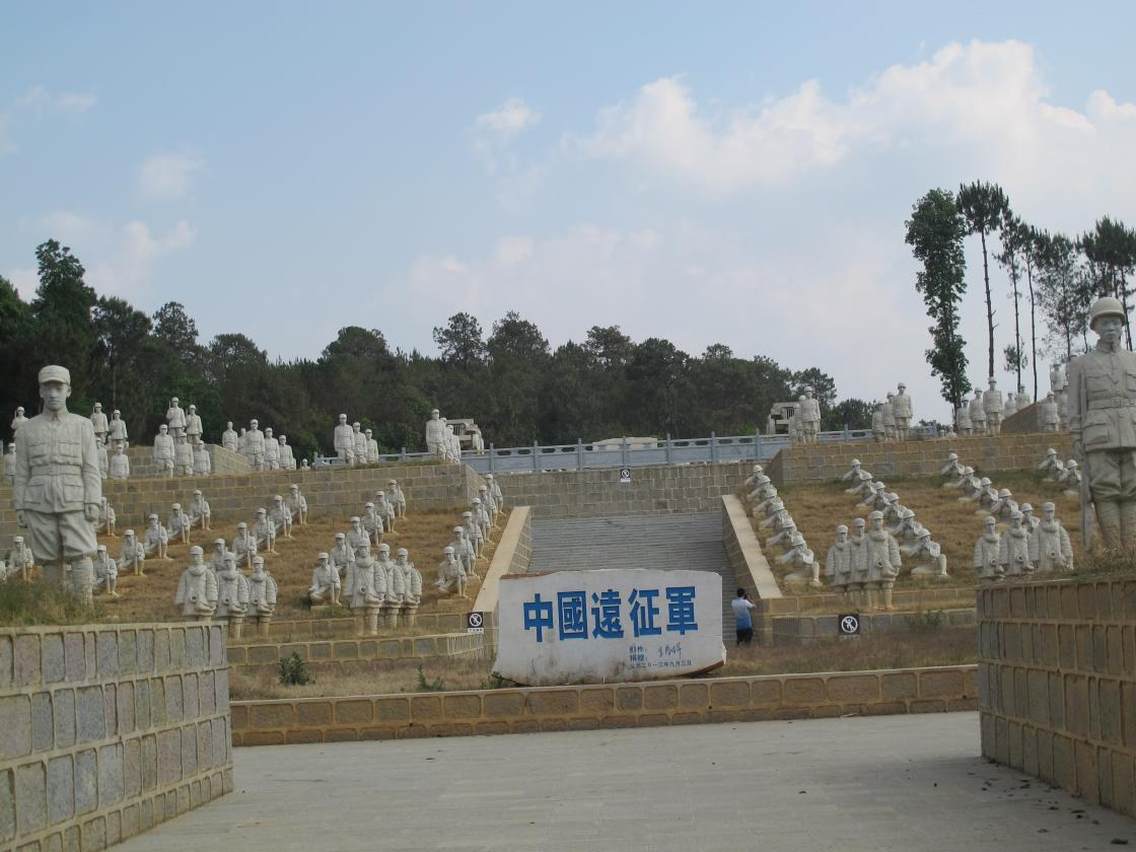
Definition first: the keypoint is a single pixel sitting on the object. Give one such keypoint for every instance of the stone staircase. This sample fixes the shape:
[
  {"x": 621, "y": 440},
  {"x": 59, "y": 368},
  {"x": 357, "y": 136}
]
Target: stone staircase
[{"x": 666, "y": 542}]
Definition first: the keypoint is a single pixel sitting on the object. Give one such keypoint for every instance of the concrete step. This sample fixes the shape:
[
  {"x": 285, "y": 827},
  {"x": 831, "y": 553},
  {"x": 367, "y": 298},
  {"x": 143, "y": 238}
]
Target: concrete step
[{"x": 663, "y": 542}]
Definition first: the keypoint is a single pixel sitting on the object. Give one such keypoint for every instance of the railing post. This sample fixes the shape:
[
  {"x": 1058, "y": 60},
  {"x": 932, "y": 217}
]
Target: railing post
[
  {"x": 403, "y": 454},
  {"x": 624, "y": 449},
  {"x": 491, "y": 457},
  {"x": 847, "y": 434},
  {"x": 536, "y": 447},
  {"x": 579, "y": 454},
  {"x": 757, "y": 445},
  {"x": 668, "y": 447},
  {"x": 713, "y": 448}
]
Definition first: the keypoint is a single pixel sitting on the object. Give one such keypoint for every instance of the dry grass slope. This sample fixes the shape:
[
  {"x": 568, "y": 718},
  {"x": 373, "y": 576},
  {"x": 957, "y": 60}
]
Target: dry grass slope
[
  {"x": 819, "y": 509},
  {"x": 150, "y": 597}
]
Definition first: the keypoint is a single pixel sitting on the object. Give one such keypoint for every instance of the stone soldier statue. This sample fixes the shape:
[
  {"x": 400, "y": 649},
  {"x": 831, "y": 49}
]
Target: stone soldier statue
[
  {"x": 993, "y": 406},
  {"x": 99, "y": 423},
  {"x": 229, "y": 437},
  {"x": 58, "y": 492},
  {"x": 18, "y": 420},
  {"x": 344, "y": 440},
  {"x": 193, "y": 428},
  {"x": 977, "y": 414},
  {"x": 435, "y": 433},
  {"x": 175, "y": 418},
  {"x": 1050, "y": 417},
  {"x": 962, "y": 418},
  {"x": 117, "y": 429},
  {"x": 903, "y": 412},
  {"x": 1102, "y": 418},
  {"x": 889, "y": 416},
  {"x": 810, "y": 416}
]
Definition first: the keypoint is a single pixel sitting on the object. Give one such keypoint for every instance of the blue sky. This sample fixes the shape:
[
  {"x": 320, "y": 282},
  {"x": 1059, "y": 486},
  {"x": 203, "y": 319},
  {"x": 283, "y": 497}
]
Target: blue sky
[{"x": 729, "y": 172}]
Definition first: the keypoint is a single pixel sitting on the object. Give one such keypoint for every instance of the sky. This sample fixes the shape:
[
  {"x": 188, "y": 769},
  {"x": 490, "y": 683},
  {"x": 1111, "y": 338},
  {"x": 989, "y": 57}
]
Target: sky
[{"x": 734, "y": 173}]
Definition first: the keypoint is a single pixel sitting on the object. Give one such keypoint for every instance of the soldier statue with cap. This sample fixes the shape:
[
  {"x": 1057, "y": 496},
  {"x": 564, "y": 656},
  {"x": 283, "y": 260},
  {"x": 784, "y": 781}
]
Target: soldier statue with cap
[
  {"x": 58, "y": 492},
  {"x": 1102, "y": 418}
]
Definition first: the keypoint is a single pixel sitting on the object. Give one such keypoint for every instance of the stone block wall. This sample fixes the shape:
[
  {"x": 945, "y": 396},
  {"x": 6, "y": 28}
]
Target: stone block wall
[
  {"x": 108, "y": 731},
  {"x": 599, "y": 493},
  {"x": 1057, "y": 684},
  {"x": 1025, "y": 421},
  {"x": 827, "y": 462},
  {"x": 807, "y": 628},
  {"x": 331, "y": 492},
  {"x": 560, "y": 708},
  {"x": 223, "y": 461},
  {"x": 347, "y": 655}
]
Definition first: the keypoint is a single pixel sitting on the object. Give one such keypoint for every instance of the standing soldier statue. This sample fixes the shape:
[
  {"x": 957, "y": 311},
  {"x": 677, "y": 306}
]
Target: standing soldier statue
[
  {"x": 1102, "y": 418},
  {"x": 58, "y": 490}
]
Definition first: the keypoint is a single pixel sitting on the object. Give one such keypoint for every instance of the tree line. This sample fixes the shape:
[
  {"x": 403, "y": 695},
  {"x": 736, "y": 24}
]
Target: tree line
[
  {"x": 511, "y": 381},
  {"x": 1052, "y": 276}
]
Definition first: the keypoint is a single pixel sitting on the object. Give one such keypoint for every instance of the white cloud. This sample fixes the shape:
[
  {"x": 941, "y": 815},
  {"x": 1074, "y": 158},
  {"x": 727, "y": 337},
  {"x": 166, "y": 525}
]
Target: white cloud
[
  {"x": 492, "y": 136},
  {"x": 41, "y": 99},
  {"x": 983, "y": 102},
  {"x": 509, "y": 119},
  {"x": 128, "y": 267},
  {"x": 167, "y": 177},
  {"x": 119, "y": 259}
]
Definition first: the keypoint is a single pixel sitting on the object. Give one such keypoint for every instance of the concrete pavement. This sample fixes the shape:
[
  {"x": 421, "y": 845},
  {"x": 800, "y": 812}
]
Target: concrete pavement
[{"x": 903, "y": 783}]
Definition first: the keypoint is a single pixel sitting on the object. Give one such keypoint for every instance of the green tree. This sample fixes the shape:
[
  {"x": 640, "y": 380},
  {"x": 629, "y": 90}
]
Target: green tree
[
  {"x": 935, "y": 233},
  {"x": 17, "y": 376},
  {"x": 61, "y": 312},
  {"x": 460, "y": 340},
  {"x": 121, "y": 347},
  {"x": 1065, "y": 290},
  {"x": 851, "y": 413},
  {"x": 1015, "y": 249},
  {"x": 518, "y": 355},
  {"x": 1110, "y": 249},
  {"x": 984, "y": 207}
]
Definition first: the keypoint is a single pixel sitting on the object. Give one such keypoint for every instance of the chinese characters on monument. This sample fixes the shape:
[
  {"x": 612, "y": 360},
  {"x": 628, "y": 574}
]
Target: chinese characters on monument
[{"x": 609, "y": 624}]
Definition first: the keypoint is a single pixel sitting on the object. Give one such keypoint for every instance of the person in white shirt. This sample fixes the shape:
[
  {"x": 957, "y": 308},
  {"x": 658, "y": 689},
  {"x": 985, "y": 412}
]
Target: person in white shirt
[{"x": 743, "y": 621}]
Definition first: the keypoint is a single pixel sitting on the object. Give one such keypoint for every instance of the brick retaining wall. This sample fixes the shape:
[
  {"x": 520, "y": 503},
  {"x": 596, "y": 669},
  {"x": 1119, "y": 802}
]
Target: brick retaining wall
[
  {"x": 346, "y": 655},
  {"x": 599, "y": 493},
  {"x": 331, "y": 492},
  {"x": 108, "y": 731},
  {"x": 1057, "y": 684},
  {"x": 559, "y": 708}
]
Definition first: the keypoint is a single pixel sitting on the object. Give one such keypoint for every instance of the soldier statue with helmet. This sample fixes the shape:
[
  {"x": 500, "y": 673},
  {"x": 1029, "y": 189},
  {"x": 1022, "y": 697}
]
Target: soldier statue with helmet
[
  {"x": 1102, "y": 418},
  {"x": 57, "y": 493}
]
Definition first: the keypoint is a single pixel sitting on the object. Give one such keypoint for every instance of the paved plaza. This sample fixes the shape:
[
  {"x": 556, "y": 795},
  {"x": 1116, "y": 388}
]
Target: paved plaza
[{"x": 902, "y": 783}]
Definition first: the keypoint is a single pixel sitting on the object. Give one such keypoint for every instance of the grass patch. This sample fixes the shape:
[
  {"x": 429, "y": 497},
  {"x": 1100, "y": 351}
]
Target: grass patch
[{"x": 24, "y": 604}]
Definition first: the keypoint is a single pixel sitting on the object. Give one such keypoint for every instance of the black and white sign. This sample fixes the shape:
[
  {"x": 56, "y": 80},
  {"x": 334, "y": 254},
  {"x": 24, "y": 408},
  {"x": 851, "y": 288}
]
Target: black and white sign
[
  {"x": 625, "y": 475},
  {"x": 475, "y": 622},
  {"x": 848, "y": 624}
]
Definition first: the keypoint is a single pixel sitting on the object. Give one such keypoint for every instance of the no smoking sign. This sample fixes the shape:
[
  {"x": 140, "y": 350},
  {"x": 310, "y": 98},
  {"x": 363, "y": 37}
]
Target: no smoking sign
[{"x": 848, "y": 624}]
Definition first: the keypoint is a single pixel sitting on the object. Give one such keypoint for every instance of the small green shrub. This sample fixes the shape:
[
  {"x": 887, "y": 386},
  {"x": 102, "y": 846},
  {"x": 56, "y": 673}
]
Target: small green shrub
[
  {"x": 424, "y": 685},
  {"x": 294, "y": 671}
]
